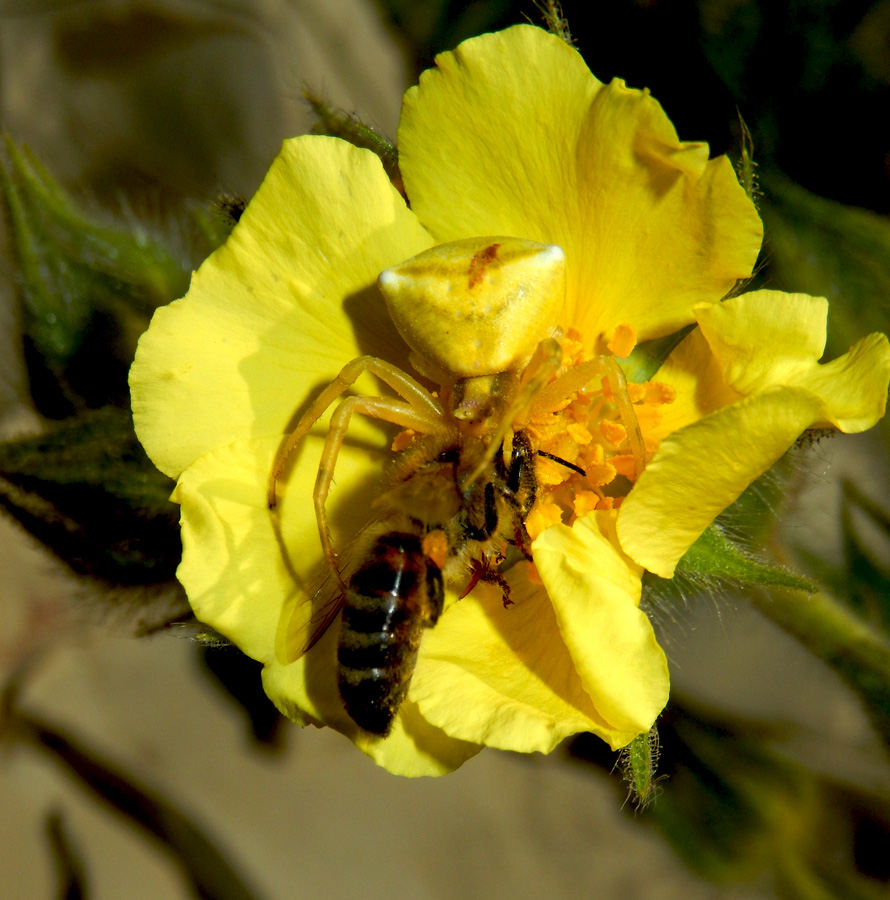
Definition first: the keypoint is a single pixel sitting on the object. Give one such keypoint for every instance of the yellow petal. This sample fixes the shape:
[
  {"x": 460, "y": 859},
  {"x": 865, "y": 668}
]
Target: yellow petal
[
  {"x": 699, "y": 470},
  {"x": 279, "y": 308},
  {"x": 515, "y": 126},
  {"x": 764, "y": 337},
  {"x": 769, "y": 338},
  {"x": 765, "y": 344},
  {"x": 695, "y": 375},
  {"x": 503, "y": 677},
  {"x": 595, "y": 590}
]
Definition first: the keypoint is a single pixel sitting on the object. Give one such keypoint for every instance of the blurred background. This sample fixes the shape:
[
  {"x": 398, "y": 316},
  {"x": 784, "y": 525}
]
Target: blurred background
[{"x": 136, "y": 764}]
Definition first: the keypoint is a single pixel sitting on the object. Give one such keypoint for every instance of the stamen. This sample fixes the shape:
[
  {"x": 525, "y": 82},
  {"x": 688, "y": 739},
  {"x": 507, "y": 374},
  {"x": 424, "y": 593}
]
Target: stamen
[
  {"x": 623, "y": 341},
  {"x": 587, "y": 425}
]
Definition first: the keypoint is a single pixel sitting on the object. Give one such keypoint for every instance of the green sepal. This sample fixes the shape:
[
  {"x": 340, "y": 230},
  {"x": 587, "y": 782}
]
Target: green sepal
[
  {"x": 335, "y": 122},
  {"x": 716, "y": 556},
  {"x": 216, "y": 223},
  {"x": 746, "y": 167},
  {"x": 554, "y": 20},
  {"x": 649, "y": 356},
  {"x": 89, "y": 493},
  {"x": 639, "y": 763}
]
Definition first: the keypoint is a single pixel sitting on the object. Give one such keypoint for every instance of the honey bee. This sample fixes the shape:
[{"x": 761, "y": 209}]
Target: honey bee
[
  {"x": 435, "y": 530},
  {"x": 478, "y": 317}
]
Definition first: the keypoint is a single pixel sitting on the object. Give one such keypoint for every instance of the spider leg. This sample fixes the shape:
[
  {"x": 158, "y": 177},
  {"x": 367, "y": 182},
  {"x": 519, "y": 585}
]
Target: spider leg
[
  {"x": 544, "y": 362},
  {"x": 401, "y": 382},
  {"x": 398, "y": 412}
]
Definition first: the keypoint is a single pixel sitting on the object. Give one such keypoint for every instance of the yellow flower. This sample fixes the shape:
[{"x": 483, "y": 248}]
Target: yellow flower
[{"x": 509, "y": 135}]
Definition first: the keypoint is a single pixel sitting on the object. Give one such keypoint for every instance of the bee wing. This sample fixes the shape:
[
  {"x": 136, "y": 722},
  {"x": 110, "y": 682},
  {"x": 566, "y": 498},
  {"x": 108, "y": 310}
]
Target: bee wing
[
  {"x": 321, "y": 621},
  {"x": 306, "y": 616},
  {"x": 304, "y": 619}
]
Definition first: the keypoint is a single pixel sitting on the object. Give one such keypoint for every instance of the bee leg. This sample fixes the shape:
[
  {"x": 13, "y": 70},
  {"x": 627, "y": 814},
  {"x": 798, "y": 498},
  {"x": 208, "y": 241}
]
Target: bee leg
[
  {"x": 492, "y": 576},
  {"x": 522, "y": 541},
  {"x": 483, "y": 572}
]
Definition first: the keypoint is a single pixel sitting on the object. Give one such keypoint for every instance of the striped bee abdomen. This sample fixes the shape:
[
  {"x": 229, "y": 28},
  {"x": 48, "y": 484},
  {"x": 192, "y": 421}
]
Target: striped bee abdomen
[{"x": 396, "y": 593}]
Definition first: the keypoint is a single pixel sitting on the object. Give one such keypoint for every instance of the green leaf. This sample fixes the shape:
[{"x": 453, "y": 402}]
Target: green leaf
[
  {"x": 88, "y": 491},
  {"x": 866, "y": 541},
  {"x": 730, "y": 807},
  {"x": 87, "y": 289},
  {"x": 837, "y": 635},
  {"x": 648, "y": 357}
]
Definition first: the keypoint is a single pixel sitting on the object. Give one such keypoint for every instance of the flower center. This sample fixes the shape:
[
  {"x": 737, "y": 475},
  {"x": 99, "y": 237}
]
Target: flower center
[{"x": 589, "y": 429}]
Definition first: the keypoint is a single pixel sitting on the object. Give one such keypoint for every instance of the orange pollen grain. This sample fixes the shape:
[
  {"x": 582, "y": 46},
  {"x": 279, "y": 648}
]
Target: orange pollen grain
[
  {"x": 585, "y": 502},
  {"x": 542, "y": 517},
  {"x": 579, "y": 434},
  {"x": 599, "y": 475},
  {"x": 659, "y": 394},
  {"x": 435, "y": 547},
  {"x": 403, "y": 439},
  {"x": 624, "y": 465}
]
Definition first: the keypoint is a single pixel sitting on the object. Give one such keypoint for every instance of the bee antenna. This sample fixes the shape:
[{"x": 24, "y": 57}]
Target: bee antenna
[{"x": 561, "y": 461}]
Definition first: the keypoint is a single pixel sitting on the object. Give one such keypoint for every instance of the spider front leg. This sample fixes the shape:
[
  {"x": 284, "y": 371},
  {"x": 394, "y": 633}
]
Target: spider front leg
[
  {"x": 416, "y": 397},
  {"x": 395, "y": 411}
]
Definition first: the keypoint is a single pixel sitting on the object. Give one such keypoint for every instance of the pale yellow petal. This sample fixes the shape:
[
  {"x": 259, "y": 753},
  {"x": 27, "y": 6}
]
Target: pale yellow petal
[
  {"x": 595, "y": 590},
  {"x": 716, "y": 440},
  {"x": 515, "y": 126},
  {"x": 702, "y": 468},
  {"x": 768, "y": 338},
  {"x": 764, "y": 338},
  {"x": 279, "y": 308},
  {"x": 503, "y": 677}
]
